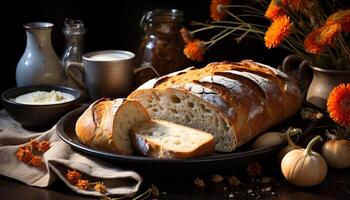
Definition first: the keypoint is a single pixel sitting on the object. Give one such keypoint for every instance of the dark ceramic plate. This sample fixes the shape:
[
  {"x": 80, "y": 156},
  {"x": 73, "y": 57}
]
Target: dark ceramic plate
[{"x": 207, "y": 164}]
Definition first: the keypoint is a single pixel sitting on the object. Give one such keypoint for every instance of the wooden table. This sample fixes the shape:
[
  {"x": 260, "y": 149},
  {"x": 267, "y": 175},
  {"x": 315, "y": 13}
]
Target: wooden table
[{"x": 336, "y": 186}]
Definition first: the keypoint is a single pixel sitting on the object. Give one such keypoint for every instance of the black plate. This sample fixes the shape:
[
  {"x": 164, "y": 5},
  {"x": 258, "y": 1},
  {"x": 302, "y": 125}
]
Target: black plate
[{"x": 207, "y": 164}]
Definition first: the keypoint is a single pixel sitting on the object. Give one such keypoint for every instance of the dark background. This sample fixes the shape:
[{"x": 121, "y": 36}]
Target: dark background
[{"x": 111, "y": 25}]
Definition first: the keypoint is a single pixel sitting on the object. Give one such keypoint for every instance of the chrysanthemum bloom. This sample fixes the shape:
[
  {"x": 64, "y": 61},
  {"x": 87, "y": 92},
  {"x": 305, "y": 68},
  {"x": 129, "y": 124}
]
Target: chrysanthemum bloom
[
  {"x": 340, "y": 17},
  {"x": 217, "y": 12},
  {"x": 338, "y": 104},
  {"x": 73, "y": 176},
  {"x": 34, "y": 143},
  {"x": 35, "y": 161},
  {"x": 278, "y": 30},
  {"x": 321, "y": 37},
  {"x": 43, "y": 146},
  {"x": 274, "y": 11},
  {"x": 24, "y": 153},
  {"x": 82, "y": 184},
  {"x": 195, "y": 50},
  {"x": 99, "y": 187}
]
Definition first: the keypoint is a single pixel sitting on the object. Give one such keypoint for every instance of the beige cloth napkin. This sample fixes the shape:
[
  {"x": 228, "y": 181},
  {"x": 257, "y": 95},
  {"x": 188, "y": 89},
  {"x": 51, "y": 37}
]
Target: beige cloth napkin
[{"x": 58, "y": 159}]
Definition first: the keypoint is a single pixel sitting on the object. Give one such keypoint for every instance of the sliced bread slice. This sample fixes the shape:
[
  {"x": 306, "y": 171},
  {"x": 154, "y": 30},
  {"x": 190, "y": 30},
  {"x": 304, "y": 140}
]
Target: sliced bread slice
[
  {"x": 106, "y": 124},
  {"x": 167, "y": 140}
]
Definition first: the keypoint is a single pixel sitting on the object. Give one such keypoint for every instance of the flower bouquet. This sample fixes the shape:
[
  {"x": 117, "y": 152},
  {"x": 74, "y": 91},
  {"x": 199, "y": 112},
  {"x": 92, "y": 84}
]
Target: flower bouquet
[{"x": 315, "y": 31}]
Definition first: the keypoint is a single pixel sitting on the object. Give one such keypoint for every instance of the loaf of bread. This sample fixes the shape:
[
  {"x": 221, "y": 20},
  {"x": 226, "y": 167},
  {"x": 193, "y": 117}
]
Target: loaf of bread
[
  {"x": 233, "y": 101},
  {"x": 106, "y": 124},
  {"x": 166, "y": 140}
]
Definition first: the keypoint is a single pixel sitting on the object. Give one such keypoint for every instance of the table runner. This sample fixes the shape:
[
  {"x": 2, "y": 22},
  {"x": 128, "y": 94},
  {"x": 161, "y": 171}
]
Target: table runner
[{"x": 57, "y": 160}]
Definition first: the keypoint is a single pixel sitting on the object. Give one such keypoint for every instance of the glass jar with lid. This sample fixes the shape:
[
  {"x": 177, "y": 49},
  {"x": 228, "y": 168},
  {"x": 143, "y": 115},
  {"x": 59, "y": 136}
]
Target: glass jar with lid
[{"x": 162, "y": 45}]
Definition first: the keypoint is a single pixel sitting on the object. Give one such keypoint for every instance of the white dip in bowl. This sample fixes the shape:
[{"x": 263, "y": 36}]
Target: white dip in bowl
[{"x": 44, "y": 98}]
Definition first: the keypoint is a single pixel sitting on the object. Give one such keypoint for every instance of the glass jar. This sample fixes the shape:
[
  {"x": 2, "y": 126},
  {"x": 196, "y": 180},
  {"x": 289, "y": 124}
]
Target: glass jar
[
  {"x": 162, "y": 45},
  {"x": 73, "y": 31}
]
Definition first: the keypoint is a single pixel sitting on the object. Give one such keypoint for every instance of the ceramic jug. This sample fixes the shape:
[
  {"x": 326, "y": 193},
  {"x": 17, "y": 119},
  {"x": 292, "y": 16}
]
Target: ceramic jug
[
  {"x": 315, "y": 83},
  {"x": 39, "y": 64}
]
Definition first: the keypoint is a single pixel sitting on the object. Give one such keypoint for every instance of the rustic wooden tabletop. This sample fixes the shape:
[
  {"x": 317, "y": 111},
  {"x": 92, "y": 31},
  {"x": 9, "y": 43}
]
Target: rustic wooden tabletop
[{"x": 270, "y": 184}]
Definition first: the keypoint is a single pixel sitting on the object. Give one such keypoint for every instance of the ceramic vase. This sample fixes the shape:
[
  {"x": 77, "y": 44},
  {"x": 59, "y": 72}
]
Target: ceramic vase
[
  {"x": 323, "y": 82},
  {"x": 39, "y": 64},
  {"x": 319, "y": 83}
]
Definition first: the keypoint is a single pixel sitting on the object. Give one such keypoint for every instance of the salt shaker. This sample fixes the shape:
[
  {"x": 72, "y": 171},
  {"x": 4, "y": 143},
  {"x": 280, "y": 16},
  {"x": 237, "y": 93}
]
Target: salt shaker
[{"x": 73, "y": 31}]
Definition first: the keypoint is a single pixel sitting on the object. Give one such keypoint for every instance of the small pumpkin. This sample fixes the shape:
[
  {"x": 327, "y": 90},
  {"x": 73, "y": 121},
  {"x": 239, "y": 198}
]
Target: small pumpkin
[
  {"x": 291, "y": 146},
  {"x": 337, "y": 153},
  {"x": 270, "y": 139},
  {"x": 304, "y": 167}
]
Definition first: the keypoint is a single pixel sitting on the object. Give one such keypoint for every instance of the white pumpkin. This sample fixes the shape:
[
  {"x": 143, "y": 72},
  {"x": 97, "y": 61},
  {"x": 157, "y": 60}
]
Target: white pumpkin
[
  {"x": 337, "y": 153},
  {"x": 304, "y": 167}
]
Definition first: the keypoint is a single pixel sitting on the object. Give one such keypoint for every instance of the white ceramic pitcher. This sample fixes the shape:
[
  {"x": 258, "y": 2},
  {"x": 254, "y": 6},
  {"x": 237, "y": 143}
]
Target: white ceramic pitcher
[{"x": 39, "y": 63}]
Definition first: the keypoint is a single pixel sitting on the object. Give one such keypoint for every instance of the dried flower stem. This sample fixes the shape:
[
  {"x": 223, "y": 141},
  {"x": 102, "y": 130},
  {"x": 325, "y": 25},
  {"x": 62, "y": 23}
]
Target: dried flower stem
[
  {"x": 211, "y": 43},
  {"x": 250, "y": 8},
  {"x": 333, "y": 53}
]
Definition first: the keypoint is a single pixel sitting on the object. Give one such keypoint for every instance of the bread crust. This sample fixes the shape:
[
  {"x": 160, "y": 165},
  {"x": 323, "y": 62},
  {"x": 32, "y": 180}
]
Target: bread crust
[
  {"x": 95, "y": 127},
  {"x": 253, "y": 96}
]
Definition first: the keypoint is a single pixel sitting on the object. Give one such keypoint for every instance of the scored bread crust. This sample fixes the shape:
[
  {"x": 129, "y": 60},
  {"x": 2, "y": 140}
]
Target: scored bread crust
[
  {"x": 96, "y": 126},
  {"x": 247, "y": 97},
  {"x": 158, "y": 149}
]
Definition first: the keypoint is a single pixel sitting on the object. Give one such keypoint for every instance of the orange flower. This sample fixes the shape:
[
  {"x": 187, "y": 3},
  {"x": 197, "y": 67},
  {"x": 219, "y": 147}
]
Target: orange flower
[
  {"x": 340, "y": 17},
  {"x": 186, "y": 35},
  {"x": 338, "y": 104},
  {"x": 278, "y": 30},
  {"x": 43, "y": 146},
  {"x": 216, "y": 11},
  {"x": 34, "y": 143},
  {"x": 82, "y": 184},
  {"x": 274, "y": 11},
  {"x": 195, "y": 50},
  {"x": 254, "y": 169},
  {"x": 73, "y": 176},
  {"x": 321, "y": 37},
  {"x": 35, "y": 161},
  {"x": 24, "y": 153},
  {"x": 99, "y": 187}
]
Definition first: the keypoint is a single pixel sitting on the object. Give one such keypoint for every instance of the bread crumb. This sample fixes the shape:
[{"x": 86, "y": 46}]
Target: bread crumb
[
  {"x": 217, "y": 178},
  {"x": 232, "y": 180},
  {"x": 199, "y": 182},
  {"x": 266, "y": 179}
]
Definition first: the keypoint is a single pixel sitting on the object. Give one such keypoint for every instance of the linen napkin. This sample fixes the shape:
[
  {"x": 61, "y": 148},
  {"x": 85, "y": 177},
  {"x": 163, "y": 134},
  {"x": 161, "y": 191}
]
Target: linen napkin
[{"x": 57, "y": 160}]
